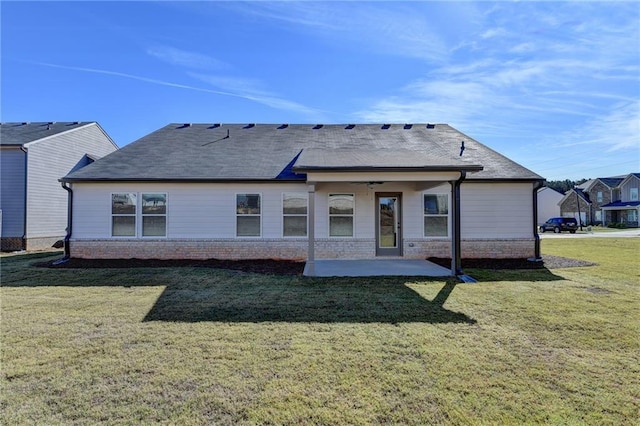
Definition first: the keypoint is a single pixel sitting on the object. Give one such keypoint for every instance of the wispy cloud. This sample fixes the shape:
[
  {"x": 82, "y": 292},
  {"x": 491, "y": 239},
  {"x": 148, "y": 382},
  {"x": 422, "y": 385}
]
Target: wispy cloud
[
  {"x": 186, "y": 58},
  {"x": 383, "y": 28},
  {"x": 263, "y": 98},
  {"x": 246, "y": 88},
  {"x": 251, "y": 89}
]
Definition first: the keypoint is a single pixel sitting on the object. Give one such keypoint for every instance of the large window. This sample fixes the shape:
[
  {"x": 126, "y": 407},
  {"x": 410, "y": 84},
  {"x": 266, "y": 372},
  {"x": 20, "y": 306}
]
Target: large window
[
  {"x": 341, "y": 211},
  {"x": 154, "y": 215},
  {"x": 248, "y": 215},
  {"x": 294, "y": 214},
  {"x": 633, "y": 192},
  {"x": 436, "y": 215},
  {"x": 123, "y": 214},
  {"x": 599, "y": 196}
]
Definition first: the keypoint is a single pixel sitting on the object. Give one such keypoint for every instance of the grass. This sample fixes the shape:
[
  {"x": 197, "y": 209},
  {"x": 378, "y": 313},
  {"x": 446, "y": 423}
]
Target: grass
[{"x": 207, "y": 346}]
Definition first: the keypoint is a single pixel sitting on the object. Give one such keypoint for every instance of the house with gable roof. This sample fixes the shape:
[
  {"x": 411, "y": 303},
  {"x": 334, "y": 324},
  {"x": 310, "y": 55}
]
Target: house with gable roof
[
  {"x": 604, "y": 200},
  {"x": 33, "y": 157},
  {"x": 304, "y": 192}
]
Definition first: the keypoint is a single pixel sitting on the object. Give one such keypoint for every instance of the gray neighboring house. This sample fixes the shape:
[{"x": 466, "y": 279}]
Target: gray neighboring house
[
  {"x": 304, "y": 192},
  {"x": 33, "y": 157}
]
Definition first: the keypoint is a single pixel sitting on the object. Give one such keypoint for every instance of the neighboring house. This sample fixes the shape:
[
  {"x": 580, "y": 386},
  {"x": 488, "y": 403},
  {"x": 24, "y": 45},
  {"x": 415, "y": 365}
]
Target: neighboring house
[
  {"x": 34, "y": 156},
  {"x": 604, "y": 201},
  {"x": 548, "y": 204},
  {"x": 576, "y": 203},
  {"x": 626, "y": 209},
  {"x": 304, "y": 192}
]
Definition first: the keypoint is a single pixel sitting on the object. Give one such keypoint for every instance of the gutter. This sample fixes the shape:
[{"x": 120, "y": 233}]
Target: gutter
[
  {"x": 537, "y": 257},
  {"x": 456, "y": 247},
  {"x": 67, "y": 237},
  {"x": 26, "y": 197}
]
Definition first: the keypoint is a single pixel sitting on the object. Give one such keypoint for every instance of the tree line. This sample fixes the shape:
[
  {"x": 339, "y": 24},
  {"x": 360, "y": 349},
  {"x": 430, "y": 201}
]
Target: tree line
[{"x": 563, "y": 186}]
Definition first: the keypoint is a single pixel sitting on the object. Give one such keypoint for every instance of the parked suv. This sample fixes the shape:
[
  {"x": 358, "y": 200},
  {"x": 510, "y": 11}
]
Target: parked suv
[{"x": 559, "y": 224}]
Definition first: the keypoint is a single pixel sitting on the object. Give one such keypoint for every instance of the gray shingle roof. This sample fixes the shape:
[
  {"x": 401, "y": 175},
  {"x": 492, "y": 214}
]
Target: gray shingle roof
[
  {"x": 264, "y": 151},
  {"x": 19, "y": 134},
  {"x": 611, "y": 182}
]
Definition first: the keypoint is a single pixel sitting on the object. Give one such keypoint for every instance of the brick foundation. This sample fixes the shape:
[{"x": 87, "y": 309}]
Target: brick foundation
[{"x": 295, "y": 249}]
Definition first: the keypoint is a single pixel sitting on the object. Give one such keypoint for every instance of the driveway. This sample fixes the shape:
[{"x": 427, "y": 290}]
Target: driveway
[{"x": 627, "y": 233}]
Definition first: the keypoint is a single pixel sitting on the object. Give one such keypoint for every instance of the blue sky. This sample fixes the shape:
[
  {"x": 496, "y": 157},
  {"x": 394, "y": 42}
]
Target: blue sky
[{"x": 553, "y": 85}]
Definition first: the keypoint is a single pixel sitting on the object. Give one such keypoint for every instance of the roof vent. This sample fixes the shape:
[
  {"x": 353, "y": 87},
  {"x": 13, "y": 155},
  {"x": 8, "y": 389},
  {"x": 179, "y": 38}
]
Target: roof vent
[
  {"x": 350, "y": 126},
  {"x": 318, "y": 126},
  {"x": 250, "y": 125},
  {"x": 408, "y": 126},
  {"x": 431, "y": 126},
  {"x": 24, "y": 123},
  {"x": 215, "y": 126},
  {"x": 284, "y": 126},
  {"x": 185, "y": 125},
  {"x": 385, "y": 126}
]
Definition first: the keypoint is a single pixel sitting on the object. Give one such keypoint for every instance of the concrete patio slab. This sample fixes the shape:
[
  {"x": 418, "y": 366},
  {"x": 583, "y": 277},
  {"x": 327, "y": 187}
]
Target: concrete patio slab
[{"x": 375, "y": 267}]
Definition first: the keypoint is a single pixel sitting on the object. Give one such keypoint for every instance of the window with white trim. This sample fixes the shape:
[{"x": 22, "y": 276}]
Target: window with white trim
[
  {"x": 341, "y": 213},
  {"x": 633, "y": 193},
  {"x": 599, "y": 196},
  {"x": 294, "y": 214},
  {"x": 436, "y": 215},
  {"x": 154, "y": 215},
  {"x": 632, "y": 215},
  {"x": 123, "y": 214},
  {"x": 248, "y": 215}
]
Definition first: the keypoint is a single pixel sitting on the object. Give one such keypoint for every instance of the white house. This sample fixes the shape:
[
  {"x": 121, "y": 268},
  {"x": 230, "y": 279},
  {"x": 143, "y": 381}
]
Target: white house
[
  {"x": 304, "y": 192},
  {"x": 548, "y": 203},
  {"x": 33, "y": 157}
]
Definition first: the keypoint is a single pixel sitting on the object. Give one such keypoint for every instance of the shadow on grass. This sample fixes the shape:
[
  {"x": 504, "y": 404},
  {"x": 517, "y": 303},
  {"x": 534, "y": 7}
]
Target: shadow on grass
[
  {"x": 530, "y": 275},
  {"x": 328, "y": 300}
]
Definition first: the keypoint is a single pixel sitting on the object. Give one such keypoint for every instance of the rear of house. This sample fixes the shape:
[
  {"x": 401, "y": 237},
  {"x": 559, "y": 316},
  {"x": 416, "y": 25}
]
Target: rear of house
[
  {"x": 34, "y": 157},
  {"x": 304, "y": 192}
]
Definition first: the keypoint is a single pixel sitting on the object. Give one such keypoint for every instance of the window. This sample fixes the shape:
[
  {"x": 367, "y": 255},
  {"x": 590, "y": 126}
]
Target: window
[
  {"x": 154, "y": 215},
  {"x": 294, "y": 214},
  {"x": 123, "y": 214},
  {"x": 632, "y": 215},
  {"x": 248, "y": 215},
  {"x": 599, "y": 196},
  {"x": 634, "y": 194},
  {"x": 341, "y": 208},
  {"x": 436, "y": 215}
]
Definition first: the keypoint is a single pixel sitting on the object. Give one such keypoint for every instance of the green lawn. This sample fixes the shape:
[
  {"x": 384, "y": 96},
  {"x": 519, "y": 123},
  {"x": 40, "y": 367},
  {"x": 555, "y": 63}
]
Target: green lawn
[{"x": 207, "y": 346}]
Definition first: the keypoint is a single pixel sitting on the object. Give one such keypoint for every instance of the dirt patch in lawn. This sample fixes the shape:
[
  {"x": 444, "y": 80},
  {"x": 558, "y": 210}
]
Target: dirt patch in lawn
[{"x": 288, "y": 267}]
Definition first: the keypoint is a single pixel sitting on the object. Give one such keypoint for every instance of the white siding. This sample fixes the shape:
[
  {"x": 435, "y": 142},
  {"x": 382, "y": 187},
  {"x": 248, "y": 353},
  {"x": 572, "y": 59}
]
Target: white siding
[
  {"x": 48, "y": 161},
  {"x": 548, "y": 206},
  {"x": 207, "y": 210},
  {"x": 194, "y": 210},
  {"x": 12, "y": 191},
  {"x": 496, "y": 210}
]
